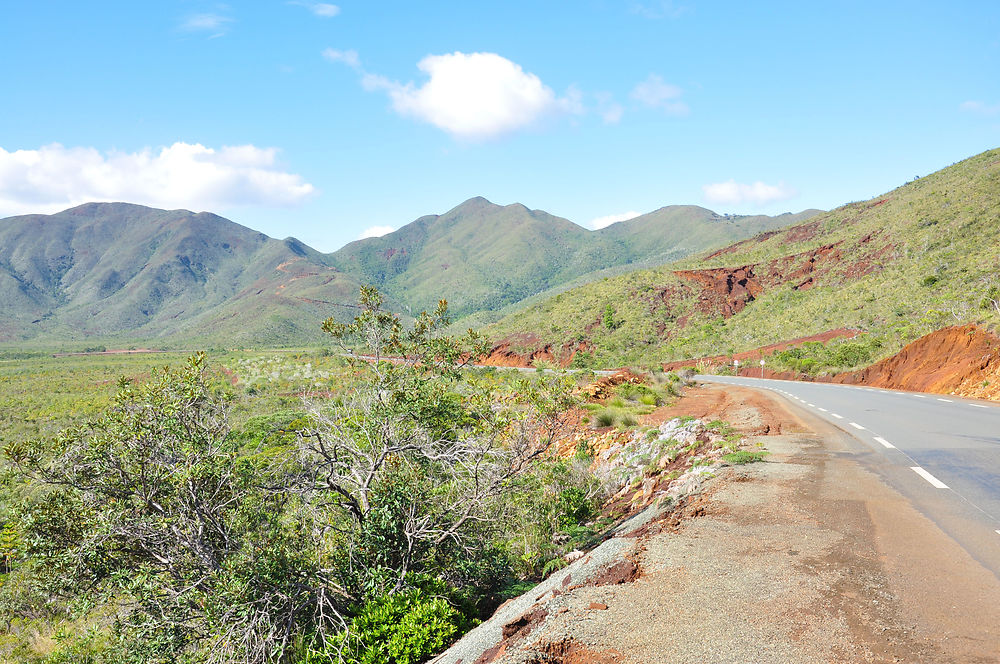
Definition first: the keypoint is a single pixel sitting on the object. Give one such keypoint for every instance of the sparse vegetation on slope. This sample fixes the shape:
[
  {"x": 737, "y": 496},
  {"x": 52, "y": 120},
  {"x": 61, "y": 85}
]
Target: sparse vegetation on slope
[{"x": 895, "y": 267}]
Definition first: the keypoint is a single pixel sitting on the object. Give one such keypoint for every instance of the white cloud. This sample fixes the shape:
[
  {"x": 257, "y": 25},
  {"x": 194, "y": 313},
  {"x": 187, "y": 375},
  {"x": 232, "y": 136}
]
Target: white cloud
[
  {"x": 349, "y": 57},
  {"x": 655, "y": 93},
  {"x": 182, "y": 175},
  {"x": 375, "y": 231},
  {"x": 732, "y": 192},
  {"x": 216, "y": 23},
  {"x": 322, "y": 9},
  {"x": 980, "y": 108},
  {"x": 612, "y": 114},
  {"x": 472, "y": 96},
  {"x": 601, "y": 222}
]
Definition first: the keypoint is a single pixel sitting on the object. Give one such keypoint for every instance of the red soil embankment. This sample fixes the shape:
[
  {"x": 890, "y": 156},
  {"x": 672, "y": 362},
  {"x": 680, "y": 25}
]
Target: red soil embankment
[
  {"x": 504, "y": 355},
  {"x": 962, "y": 360}
]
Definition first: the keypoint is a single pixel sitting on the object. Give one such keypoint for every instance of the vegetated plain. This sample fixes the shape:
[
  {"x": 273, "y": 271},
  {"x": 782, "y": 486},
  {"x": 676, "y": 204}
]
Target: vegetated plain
[{"x": 895, "y": 267}]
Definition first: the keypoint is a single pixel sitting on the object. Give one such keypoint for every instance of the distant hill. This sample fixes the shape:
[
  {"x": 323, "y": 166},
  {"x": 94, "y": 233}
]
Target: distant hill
[
  {"x": 897, "y": 266},
  {"x": 482, "y": 256},
  {"x": 116, "y": 270}
]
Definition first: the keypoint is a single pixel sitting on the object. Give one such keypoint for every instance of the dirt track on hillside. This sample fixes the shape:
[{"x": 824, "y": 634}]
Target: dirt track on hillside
[{"x": 806, "y": 558}]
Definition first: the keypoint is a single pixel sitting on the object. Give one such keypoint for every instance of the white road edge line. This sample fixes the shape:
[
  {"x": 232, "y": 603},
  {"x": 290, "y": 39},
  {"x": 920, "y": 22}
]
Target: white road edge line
[
  {"x": 885, "y": 442},
  {"x": 998, "y": 532},
  {"x": 839, "y": 417},
  {"x": 945, "y": 400},
  {"x": 935, "y": 482},
  {"x": 857, "y": 426}
]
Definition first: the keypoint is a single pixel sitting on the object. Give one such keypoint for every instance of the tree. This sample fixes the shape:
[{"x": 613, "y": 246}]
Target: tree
[
  {"x": 609, "y": 317},
  {"x": 151, "y": 507},
  {"x": 417, "y": 455}
]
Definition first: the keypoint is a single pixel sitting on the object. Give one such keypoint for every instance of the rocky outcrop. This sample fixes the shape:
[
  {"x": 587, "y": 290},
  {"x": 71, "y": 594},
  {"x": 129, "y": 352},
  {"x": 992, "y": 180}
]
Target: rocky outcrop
[{"x": 725, "y": 290}]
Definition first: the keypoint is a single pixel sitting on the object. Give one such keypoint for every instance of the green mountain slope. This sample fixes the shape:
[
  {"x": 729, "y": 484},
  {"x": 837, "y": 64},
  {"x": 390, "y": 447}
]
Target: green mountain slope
[
  {"x": 481, "y": 256},
  {"x": 895, "y": 267},
  {"x": 115, "y": 270},
  {"x": 122, "y": 273}
]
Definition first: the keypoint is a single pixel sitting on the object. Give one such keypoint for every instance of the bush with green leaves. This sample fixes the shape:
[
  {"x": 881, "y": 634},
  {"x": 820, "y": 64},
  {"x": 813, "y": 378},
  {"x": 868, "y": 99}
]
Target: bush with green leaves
[{"x": 389, "y": 514}]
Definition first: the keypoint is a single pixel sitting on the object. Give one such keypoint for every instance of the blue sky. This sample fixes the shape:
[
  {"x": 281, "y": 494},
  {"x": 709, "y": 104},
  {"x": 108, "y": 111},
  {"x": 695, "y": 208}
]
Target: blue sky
[{"x": 324, "y": 120}]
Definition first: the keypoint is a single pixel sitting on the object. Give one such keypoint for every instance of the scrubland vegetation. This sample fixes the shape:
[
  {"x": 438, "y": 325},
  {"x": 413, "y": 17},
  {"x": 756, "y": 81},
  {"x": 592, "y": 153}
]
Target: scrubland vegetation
[{"x": 282, "y": 507}]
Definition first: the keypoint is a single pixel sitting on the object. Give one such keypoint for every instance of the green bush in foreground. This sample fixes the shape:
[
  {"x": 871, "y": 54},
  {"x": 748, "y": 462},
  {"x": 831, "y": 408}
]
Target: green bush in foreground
[{"x": 376, "y": 526}]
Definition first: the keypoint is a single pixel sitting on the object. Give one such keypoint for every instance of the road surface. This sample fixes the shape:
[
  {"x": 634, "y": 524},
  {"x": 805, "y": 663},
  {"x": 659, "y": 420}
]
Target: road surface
[{"x": 941, "y": 452}]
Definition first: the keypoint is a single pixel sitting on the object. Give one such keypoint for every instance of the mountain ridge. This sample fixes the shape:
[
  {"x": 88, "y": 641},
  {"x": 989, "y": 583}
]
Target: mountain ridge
[{"x": 127, "y": 271}]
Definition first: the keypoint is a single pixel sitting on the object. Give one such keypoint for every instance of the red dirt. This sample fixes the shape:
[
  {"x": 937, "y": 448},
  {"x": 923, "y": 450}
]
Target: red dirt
[
  {"x": 746, "y": 410},
  {"x": 962, "y": 360},
  {"x": 568, "y": 651},
  {"x": 624, "y": 571},
  {"x": 504, "y": 355},
  {"x": 725, "y": 290}
]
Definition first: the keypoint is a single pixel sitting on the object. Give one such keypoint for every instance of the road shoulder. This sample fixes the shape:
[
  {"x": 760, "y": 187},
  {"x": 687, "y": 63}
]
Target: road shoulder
[{"x": 808, "y": 557}]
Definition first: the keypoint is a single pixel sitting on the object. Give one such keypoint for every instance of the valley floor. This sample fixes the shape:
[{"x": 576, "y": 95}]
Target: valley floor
[{"x": 809, "y": 557}]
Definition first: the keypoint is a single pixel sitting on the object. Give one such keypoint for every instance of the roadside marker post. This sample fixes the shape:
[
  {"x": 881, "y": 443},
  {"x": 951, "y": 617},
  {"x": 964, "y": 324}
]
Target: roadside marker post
[{"x": 762, "y": 367}]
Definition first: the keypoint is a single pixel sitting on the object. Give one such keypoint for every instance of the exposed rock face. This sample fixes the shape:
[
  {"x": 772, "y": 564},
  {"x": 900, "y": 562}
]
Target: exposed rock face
[
  {"x": 504, "y": 355},
  {"x": 725, "y": 290}
]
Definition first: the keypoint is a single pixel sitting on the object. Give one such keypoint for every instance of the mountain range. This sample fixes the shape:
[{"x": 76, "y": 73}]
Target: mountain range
[{"x": 127, "y": 273}]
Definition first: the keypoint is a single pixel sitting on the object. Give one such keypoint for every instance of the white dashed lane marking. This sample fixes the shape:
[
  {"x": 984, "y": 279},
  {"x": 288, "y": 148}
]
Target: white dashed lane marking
[
  {"x": 824, "y": 410},
  {"x": 935, "y": 482},
  {"x": 857, "y": 426},
  {"x": 978, "y": 405},
  {"x": 946, "y": 400},
  {"x": 884, "y": 442},
  {"x": 918, "y": 396},
  {"x": 839, "y": 417}
]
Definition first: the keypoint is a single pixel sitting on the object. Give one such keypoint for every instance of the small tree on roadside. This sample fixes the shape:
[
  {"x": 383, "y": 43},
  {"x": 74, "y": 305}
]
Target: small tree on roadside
[{"x": 417, "y": 451}]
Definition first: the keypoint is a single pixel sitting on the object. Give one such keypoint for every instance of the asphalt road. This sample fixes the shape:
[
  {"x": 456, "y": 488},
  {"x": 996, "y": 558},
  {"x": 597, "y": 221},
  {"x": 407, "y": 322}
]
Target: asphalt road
[{"x": 941, "y": 452}]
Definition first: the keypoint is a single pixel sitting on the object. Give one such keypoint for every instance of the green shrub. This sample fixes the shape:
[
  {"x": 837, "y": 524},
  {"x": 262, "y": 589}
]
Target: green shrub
[
  {"x": 401, "y": 628},
  {"x": 740, "y": 457}
]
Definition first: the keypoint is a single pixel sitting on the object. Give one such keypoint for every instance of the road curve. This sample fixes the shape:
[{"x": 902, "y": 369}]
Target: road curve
[{"x": 942, "y": 452}]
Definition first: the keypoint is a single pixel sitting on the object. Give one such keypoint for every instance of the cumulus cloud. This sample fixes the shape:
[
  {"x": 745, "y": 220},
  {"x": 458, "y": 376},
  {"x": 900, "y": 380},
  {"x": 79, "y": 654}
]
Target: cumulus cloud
[
  {"x": 375, "y": 231},
  {"x": 601, "y": 222},
  {"x": 980, "y": 108},
  {"x": 209, "y": 22},
  {"x": 732, "y": 192},
  {"x": 472, "y": 96},
  {"x": 322, "y": 9},
  {"x": 654, "y": 92},
  {"x": 183, "y": 175}
]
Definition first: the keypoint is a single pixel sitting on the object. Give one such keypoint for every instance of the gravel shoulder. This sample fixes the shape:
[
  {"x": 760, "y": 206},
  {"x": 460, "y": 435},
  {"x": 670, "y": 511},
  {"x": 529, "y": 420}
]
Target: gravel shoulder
[{"x": 808, "y": 557}]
